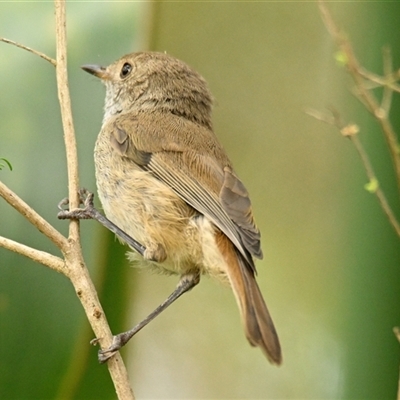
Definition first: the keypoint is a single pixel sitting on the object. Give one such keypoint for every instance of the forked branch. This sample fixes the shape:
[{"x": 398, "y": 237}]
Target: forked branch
[
  {"x": 72, "y": 265},
  {"x": 365, "y": 82},
  {"x": 351, "y": 131},
  {"x": 362, "y": 79}
]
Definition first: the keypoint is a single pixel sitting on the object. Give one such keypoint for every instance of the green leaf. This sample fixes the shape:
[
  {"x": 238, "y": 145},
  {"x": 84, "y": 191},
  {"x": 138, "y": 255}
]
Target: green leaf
[{"x": 7, "y": 162}]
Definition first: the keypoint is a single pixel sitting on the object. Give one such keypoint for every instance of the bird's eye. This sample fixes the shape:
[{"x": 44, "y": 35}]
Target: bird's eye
[{"x": 126, "y": 70}]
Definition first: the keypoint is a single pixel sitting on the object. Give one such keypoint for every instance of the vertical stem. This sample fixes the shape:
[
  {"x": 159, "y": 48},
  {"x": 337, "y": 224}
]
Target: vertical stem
[
  {"x": 66, "y": 114},
  {"x": 78, "y": 274}
]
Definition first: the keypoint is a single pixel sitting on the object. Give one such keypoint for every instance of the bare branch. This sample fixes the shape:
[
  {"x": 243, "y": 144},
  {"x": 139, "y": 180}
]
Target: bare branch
[
  {"x": 66, "y": 114},
  {"x": 79, "y": 274},
  {"x": 84, "y": 288},
  {"x": 38, "y": 53},
  {"x": 372, "y": 178},
  {"x": 41, "y": 257},
  {"x": 374, "y": 80},
  {"x": 33, "y": 217},
  {"x": 358, "y": 74},
  {"x": 351, "y": 131},
  {"x": 388, "y": 73},
  {"x": 73, "y": 266}
]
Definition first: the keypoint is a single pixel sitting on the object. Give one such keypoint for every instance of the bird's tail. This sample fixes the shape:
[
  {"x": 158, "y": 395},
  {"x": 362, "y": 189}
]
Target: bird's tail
[{"x": 257, "y": 322}]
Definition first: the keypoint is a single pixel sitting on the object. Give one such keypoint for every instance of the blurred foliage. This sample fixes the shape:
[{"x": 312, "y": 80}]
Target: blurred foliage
[{"x": 331, "y": 269}]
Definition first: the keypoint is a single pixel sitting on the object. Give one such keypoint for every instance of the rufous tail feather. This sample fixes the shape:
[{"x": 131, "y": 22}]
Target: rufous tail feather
[{"x": 257, "y": 322}]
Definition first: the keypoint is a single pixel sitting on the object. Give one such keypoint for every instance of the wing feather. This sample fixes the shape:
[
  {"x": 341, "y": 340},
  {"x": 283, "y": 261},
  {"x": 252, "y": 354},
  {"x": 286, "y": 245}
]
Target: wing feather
[{"x": 189, "y": 159}]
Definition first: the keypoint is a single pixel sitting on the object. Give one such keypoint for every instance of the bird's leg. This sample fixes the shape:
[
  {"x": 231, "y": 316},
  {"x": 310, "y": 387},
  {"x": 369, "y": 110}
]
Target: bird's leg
[
  {"x": 90, "y": 212},
  {"x": 187, "y": 282}
]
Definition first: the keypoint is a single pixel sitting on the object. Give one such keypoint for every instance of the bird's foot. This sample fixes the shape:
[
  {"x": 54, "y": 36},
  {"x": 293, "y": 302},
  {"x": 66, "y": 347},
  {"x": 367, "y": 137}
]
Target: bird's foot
[{"x": 85, "y": 198}]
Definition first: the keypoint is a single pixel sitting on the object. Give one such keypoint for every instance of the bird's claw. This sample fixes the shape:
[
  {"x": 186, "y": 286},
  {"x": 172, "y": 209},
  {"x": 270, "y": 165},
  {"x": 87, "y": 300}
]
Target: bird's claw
[
  {"x": 106, "y": 354},
  {"x": 85, "y": 198}
]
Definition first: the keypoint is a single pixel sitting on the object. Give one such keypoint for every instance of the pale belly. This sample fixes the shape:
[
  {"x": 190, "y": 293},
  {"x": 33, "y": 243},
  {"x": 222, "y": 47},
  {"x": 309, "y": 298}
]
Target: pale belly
[{"x": 151, "y": 213}]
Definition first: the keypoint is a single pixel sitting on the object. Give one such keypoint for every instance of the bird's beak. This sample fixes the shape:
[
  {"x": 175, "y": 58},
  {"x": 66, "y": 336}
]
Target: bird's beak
[{"x": 97, "y": 70}]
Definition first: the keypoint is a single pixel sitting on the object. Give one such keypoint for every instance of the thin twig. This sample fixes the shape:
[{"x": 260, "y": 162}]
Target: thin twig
[
  {"x": 372, "y": 178},
  {"x": 351, "y": 131},
  {"x": 79, "y": 274},
  {"x": 66, "y": 115},
  {"x": 358, "y": 73},
  {"x": 73, "y": 266},
  {"x": 41, "y": 257},
  {"x": 389, "y": 82},
  {"x": 33, "y": 217},
  {"x": 38, "y": 53},
  {"x": 388, "y": 72}
]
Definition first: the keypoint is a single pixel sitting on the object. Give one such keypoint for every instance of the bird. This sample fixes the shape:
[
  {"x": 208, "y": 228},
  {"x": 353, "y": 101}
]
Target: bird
[{"x": 164, "y": 179}]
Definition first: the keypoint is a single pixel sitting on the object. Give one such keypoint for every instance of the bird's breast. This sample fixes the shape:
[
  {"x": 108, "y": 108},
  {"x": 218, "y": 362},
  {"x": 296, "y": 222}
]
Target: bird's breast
[{"x": 150, "y": 212}]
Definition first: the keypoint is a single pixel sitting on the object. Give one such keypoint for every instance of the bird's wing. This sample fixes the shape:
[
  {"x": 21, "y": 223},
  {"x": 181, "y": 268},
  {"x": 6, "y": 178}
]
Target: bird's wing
[{"x": 189, "y": 159}]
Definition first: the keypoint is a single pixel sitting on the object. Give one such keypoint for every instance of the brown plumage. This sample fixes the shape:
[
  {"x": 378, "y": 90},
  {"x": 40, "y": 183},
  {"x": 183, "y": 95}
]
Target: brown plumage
[{"x": 166, "y": 181}]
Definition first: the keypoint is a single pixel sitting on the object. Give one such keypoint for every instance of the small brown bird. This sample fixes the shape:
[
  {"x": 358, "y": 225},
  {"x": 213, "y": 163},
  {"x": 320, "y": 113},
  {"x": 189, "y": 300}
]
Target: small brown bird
[{"x": 164, "y": 179}]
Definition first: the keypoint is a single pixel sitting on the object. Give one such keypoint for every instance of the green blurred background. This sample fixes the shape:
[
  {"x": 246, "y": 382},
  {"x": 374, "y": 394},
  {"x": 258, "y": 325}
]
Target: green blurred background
[{"x": 331, "y": 268}]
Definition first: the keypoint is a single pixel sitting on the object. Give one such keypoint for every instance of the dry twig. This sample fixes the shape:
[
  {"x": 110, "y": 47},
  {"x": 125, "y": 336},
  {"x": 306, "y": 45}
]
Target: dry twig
[
  {"x": 72, "y": 265},
  {"x": 33, "y": 217},
  {"x": 365, "y": 81},
  {"x": 41, "y": 257},
  {"x": 351, "y": 131},
  {"x": 359, "y": 75},
  {"x": 38, "y": 53}
]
